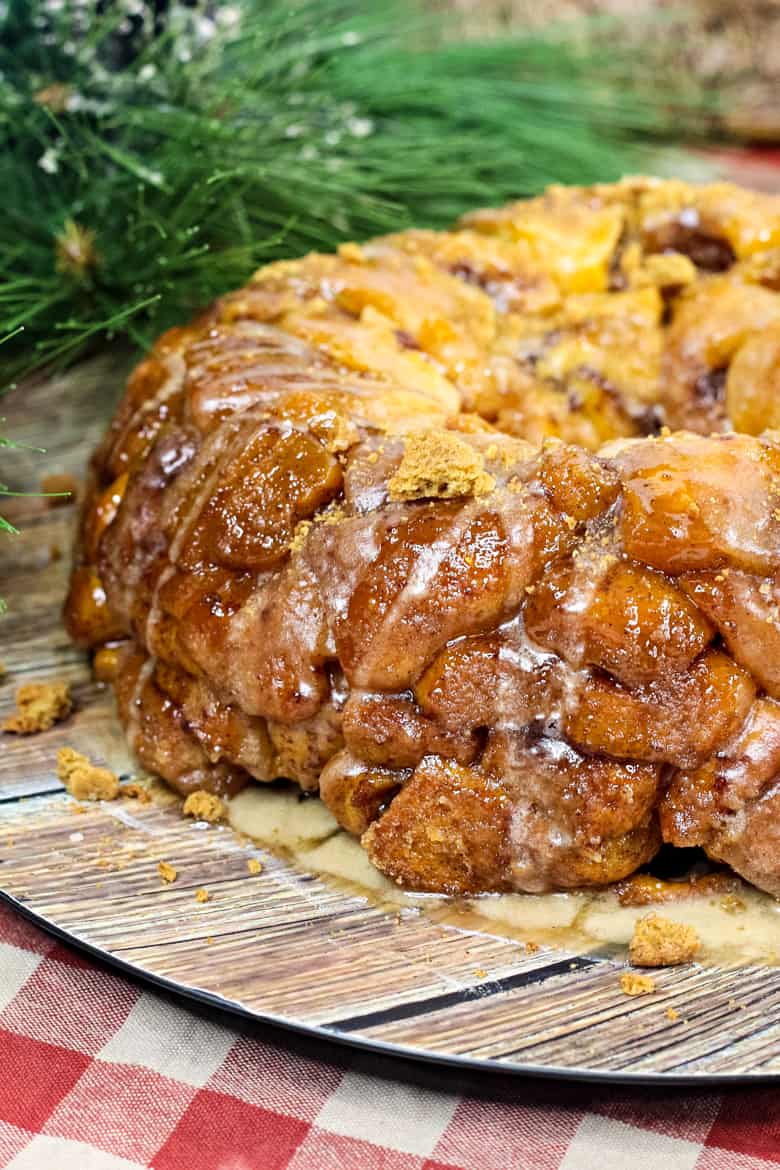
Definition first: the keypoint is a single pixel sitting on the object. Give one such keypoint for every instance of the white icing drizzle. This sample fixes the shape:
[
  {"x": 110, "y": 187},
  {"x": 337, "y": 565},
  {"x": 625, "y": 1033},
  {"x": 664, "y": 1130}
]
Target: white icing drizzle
[
  {"x": 519, "y": 655},
  {"x": 177, "y": 370},
  {"x": 418, "y": 583},
  {"x": 134, "y": 706}
]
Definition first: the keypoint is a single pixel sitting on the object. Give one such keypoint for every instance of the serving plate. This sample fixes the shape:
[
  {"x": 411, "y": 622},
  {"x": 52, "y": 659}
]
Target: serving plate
[{"x": 286, "y": 946}]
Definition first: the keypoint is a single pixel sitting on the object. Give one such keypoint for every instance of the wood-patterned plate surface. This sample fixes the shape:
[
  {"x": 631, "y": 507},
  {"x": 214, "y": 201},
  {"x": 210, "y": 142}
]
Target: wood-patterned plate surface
[{"x": 287, "y": 946}]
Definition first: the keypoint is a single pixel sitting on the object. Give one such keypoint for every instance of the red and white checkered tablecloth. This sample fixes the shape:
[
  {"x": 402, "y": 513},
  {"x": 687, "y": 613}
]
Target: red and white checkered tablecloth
[{"x": 100, "y": 1073}]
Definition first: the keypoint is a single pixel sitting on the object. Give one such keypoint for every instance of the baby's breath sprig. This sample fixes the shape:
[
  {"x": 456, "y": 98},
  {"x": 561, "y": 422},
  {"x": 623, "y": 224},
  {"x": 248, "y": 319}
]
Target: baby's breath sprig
[{"x": 155, "y": 153}]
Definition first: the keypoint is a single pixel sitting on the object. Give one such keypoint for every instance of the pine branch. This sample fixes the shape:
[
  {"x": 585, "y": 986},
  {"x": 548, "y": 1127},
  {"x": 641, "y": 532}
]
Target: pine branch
[{"x": 152, "y": 162}]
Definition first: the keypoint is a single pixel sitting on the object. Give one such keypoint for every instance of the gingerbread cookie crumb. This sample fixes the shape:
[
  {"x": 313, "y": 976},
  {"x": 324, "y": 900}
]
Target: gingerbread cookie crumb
[
  {"x": 167, "y": 872},
  {"x": 439, "y": 464},
  {"x": 302, "y": 530},
  {"x": 633, "y": 984},
  {"x": 205, "y": 806},
  {"x": 83, "y": 779},
  {"x": 39, "y": 705},
  {"x": 137, "y": 792},
  {"x": 254, "y": 866},
  {"x": 660, "y": 942},
  {"x": 202, "y": 895}
]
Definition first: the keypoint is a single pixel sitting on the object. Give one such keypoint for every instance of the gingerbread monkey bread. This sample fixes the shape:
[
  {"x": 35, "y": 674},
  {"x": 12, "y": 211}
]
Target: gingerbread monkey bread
[{"x": 477, "y": 532}]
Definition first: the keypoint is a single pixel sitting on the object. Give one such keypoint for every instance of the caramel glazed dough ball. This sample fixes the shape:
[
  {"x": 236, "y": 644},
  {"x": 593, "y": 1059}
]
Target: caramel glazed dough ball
[{"x": 478, "y": 532}]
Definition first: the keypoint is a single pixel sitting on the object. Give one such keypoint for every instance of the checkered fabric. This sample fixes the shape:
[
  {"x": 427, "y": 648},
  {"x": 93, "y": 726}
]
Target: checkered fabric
[{"x": 98, "y": 1073}]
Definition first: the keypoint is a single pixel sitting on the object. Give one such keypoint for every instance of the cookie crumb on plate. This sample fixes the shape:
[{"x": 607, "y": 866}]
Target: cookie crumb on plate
[
  {"x": 39, "y": 705},
  {"x": 204, "y": 806},
  {"x": 83, "y": 779},
  {"x": 167, "y": 872},
  {"x": 660, "y": 942},
  {"x": 632, "y": 983},
  {"x": 137, "y": 792}
]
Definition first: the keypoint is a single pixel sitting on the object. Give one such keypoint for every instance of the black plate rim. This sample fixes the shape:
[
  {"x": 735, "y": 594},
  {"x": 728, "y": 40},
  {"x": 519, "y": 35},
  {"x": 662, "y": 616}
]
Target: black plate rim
[{"x": 469, "y": 1064}]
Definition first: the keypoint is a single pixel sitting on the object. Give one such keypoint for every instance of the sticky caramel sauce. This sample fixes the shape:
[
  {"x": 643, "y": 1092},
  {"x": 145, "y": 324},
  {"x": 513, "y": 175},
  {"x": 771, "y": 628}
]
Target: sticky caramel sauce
[{"x": 738, "y": 926}]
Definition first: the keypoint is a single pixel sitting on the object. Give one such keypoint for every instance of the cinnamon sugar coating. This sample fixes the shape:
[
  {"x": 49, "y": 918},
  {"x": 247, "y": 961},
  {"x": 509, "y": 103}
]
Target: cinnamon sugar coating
[{"x": 457, "y": 528}]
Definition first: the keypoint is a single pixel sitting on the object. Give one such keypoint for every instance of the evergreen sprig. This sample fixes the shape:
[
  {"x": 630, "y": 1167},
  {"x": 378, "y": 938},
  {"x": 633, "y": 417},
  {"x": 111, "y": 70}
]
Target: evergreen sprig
[{"x": 154, "y": 155}]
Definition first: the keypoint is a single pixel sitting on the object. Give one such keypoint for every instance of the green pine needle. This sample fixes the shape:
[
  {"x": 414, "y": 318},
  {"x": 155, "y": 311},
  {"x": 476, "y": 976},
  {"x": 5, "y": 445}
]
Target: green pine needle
[{"x": 148, "y": 167}]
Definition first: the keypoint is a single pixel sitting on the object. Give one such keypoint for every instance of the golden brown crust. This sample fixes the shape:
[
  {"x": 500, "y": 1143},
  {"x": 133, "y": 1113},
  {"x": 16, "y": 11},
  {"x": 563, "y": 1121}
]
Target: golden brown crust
[
  {"x": 357, "y": 792},
  {"x": 643, "y": 889},
  {"x": 324, "y": 529},
  {"x": 447, "y": 831}
]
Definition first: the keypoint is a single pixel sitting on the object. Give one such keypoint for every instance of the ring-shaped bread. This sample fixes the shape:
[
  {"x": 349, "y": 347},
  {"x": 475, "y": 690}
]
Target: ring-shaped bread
[{"x": 478, "y": 532}]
